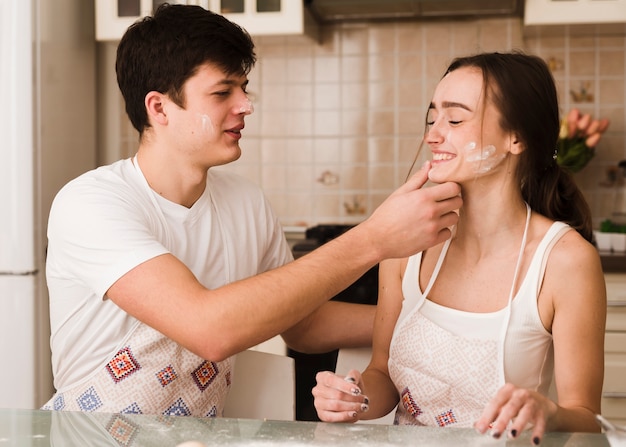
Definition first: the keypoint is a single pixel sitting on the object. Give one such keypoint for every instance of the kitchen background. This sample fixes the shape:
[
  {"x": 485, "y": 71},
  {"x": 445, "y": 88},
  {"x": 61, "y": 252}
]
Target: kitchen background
[
  {"x": 338, "y": 120},
  {"x": 337, "y": 124}
]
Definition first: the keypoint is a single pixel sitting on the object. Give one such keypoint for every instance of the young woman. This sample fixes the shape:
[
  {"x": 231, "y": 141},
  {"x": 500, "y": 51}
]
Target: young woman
[{"x": 473, "y": 331}]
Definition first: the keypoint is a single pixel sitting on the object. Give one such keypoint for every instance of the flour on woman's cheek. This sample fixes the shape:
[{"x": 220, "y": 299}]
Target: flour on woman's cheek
[{"x": 482, "y": 159}]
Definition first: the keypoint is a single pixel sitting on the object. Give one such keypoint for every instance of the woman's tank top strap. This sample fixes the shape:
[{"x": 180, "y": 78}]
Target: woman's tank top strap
[{"x": 537, "y": 268}]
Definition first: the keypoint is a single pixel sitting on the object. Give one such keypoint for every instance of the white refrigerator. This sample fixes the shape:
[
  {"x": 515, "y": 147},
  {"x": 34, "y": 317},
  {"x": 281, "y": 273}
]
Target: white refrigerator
[{"x": 47, "y": 136}]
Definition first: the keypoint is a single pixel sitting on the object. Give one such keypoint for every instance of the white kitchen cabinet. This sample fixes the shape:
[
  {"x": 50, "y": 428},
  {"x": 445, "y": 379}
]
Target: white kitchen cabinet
[
  {"x": 614, "y": 390},
  {"x": 564, "y": 12},
  {"x": 258, "y": 17},
  {"x": 269, "y": 17}
]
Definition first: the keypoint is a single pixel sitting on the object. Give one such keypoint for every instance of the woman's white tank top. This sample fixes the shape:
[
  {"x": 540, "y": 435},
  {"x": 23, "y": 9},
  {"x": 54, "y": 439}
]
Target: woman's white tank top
[{"x": 514, "y": 334}]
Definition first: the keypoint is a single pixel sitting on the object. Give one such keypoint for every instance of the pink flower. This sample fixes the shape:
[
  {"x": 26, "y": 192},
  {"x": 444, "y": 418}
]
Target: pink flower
[{"x": 578, "y": 137}]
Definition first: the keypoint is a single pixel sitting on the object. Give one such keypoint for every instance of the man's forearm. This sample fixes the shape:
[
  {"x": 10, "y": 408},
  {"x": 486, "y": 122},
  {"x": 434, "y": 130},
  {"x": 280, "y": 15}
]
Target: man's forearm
[{"x": 334, "y": 325}]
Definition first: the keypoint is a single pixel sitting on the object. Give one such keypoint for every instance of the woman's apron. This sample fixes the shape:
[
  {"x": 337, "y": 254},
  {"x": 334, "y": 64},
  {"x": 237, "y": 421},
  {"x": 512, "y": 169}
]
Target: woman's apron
[{"x": 442, "y": 378}]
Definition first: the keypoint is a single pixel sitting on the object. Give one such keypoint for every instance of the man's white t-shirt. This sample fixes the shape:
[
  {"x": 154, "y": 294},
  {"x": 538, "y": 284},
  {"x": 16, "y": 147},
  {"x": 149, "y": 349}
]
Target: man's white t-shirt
[{"x": 108, "y": 221}]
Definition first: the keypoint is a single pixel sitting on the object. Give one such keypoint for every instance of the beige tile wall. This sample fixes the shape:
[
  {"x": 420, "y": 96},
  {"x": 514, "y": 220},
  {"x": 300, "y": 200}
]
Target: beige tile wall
[{"x": 338, "y": 123}]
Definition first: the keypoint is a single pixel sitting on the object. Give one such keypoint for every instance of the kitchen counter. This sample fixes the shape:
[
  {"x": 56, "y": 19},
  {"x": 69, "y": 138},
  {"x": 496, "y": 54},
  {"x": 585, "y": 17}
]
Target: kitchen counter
[
  {"x": 613, "y": 262},
  {"x": 45, "y": 428}
]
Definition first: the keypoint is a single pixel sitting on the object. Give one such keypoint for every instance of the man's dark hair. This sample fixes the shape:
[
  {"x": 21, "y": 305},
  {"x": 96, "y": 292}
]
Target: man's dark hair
[{"x": 160, "y": 53}]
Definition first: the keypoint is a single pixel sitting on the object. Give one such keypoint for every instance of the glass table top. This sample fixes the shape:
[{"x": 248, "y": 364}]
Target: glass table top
[{"x": 48, "y": 428}]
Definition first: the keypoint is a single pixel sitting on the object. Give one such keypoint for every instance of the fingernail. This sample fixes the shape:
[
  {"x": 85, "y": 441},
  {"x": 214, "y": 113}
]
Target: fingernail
[
  {"x": 364, "y": 407},
  {"x": 495, "y": 434},
  {"x": 355, "y": 391},
  {"x": 536, "y": 440},
  {"x": 366, "y": 400},
  {"x": 350, "y": 379},
  {"x": 353, "y": 414},
  {"x": 513, "y": 433}
]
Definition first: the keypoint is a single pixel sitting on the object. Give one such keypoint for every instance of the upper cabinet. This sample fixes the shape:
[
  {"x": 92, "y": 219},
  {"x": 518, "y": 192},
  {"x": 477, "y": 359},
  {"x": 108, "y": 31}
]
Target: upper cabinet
[
  {"x": 258, "y": 17},
  {"x": 268, "y": 17},
  {"x": 564, "y": 12}
]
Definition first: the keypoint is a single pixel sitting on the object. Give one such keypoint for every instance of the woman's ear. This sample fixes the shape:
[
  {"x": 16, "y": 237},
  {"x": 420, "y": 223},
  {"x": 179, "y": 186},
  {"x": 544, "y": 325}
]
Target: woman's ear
[{"x": 516, "y": 147}]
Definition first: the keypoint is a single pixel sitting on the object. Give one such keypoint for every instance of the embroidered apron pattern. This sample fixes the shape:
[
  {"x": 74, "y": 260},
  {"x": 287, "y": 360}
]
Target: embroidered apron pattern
[
  {"x": 151, "y": 374},
  {"x": 433, "y": 389}
]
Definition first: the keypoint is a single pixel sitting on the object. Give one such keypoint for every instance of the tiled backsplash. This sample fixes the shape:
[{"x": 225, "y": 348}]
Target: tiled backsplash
[{"x": 338, "y": 122}]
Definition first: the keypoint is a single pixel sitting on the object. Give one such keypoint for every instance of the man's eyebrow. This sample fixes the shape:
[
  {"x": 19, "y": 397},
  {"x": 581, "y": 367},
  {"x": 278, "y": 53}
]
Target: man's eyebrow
[{"x": 231, "y": 82}]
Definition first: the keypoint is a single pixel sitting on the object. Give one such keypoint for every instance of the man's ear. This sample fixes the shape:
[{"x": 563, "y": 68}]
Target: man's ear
[{"x": 155, "y": 107}]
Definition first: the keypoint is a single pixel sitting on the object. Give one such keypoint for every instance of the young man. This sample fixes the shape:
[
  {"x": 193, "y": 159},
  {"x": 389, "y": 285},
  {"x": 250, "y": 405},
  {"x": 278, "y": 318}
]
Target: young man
[{"x": 161, "y": 269}]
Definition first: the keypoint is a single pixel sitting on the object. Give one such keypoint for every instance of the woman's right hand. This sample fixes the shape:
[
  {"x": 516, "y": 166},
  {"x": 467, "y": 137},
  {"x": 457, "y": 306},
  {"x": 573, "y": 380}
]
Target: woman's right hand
[{"x": 339, "y": 398}]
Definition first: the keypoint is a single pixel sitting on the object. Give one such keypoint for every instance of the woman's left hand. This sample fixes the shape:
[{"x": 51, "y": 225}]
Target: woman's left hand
[{"x": 513, "y": 409}]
